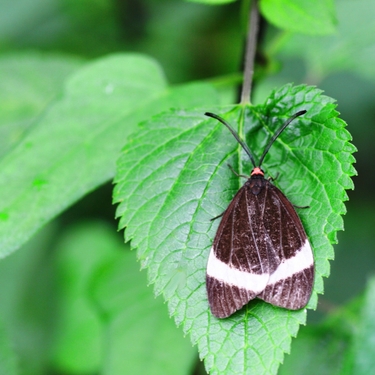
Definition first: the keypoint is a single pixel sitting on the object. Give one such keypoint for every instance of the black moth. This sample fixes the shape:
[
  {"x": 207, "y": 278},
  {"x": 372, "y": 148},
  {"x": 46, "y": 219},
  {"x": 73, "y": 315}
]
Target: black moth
[{"x": 260, "y": 248}]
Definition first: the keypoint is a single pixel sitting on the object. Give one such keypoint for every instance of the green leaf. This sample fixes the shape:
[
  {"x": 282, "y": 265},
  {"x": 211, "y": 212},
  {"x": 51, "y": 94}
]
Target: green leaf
[
  {"x": 342, "y": 344},
  {"x": 350, "y": 49},
  {"x": 139, "y": 337},
  {"x": 315, "y": 17},
  {"x": 107, "y": 314},
  {"x": 79, "y": 253},
  {"x": 15, "y": 18},
  {"x": 319, "y": 350},
  {"x": 8, "y": 358},
  {"x": 212, "y": 2},
  {"x": 27, "y": 297},
  {"x": 172, "y": 178},
  {"x": 364, "y": 341},
  {"x": 29, "y": 81},
  {"x": 73, "y": 148}
]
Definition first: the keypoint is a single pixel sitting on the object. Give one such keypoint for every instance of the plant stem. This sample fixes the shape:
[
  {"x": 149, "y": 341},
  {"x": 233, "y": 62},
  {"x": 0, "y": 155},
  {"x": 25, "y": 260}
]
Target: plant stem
[{"x": 251, "y": 43}]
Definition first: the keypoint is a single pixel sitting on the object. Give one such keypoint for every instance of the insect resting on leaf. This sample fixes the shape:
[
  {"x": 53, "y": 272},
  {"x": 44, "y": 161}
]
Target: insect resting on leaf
[{"x": 261, "y": 248}]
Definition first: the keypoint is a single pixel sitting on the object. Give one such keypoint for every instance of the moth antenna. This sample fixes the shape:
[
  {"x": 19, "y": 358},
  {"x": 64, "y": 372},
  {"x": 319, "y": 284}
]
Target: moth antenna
[
  {"x": 235, "y": 134},
  {"x": 273, "y": 139}
]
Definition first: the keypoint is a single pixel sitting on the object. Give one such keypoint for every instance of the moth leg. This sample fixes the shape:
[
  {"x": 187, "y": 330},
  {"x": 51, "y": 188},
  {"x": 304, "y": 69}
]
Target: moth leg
[
  {"x": 274, "y": 178},
  {"x": 238, "y": 175},
  {"x": 295, "y": 206},
  {"x": 216, "y": 217}
]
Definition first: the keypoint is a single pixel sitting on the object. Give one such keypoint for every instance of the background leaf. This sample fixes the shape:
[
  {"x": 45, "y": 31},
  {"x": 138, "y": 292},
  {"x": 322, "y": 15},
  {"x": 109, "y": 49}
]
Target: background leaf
[
  {"x": 322, "y": 348},
  {"x": 136, "y": 325},
  {"x": 315, "y": 17},
  {"x": 341, "y": 344},
  {"x": 8, "y": 359},
  {"x": 80, "y": 251},
  {"x": 213, "y": 2},
  {"x": 363, "y": 352},
  {"x": 29, "y": 82},
  {"x": 27, "y": 302},
  {"x": 73, "y": 148},
  {"x": 172, "y": 179},
  {"x": 76, "y": 302},
  {"x": 106, "y": 312},
  {"x": 350, "y": 49}
]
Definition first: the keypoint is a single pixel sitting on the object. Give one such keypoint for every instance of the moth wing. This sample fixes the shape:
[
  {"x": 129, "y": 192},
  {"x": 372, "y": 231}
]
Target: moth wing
[
  {"x": 239, "y": 264},
  {"x": 290, "y": 284}
]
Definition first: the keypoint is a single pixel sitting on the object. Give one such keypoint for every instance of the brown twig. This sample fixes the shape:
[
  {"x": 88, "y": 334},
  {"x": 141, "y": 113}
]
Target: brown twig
[{"x": 251, "y": 44}]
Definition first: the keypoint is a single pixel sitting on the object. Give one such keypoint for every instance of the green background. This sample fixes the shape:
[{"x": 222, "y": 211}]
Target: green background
[{"x": 43, "y": 42}]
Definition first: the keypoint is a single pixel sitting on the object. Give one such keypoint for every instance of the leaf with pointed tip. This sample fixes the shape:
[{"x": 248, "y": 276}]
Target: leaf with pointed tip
[{"x": 172, "y": 178}]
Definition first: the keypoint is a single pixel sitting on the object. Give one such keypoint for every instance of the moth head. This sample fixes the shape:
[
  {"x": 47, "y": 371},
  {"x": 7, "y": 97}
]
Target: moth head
[{"x": 257, "y": 171}]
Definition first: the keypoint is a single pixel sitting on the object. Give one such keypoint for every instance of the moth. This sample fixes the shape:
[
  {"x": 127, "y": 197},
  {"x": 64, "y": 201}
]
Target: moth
[{"x": 261, "y": 249}]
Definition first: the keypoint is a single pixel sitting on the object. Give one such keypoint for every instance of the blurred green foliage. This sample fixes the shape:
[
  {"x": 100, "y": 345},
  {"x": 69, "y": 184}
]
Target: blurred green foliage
[{"x": 42, "y": 43}]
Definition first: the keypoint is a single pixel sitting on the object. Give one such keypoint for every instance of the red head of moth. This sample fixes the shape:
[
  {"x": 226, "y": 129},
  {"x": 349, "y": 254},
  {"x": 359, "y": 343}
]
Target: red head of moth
[{"x": 260, "y": 249}]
